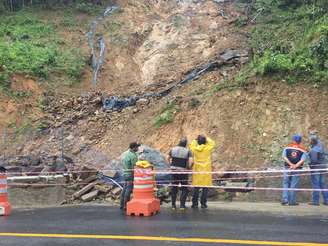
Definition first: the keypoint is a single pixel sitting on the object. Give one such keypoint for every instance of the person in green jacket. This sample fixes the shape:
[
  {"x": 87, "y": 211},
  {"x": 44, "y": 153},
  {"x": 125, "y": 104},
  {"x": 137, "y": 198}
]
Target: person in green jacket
[{"x": 129, "y": 159}]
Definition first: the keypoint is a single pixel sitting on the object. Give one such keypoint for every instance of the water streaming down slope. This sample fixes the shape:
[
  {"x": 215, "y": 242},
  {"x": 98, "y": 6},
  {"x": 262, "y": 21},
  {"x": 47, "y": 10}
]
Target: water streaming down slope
[{"x": 98, "y": 46}]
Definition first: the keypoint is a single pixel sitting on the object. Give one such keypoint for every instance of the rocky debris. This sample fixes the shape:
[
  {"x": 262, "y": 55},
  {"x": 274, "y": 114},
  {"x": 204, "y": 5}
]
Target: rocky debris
[
  {"x": 103, "y": 188},
  {"x": 84, "y": 190},
  {"x": 90, "y": 188},
  {"x": 90, "y": 196},
  {"x": 93, "y": 106},
  {"x": 158, "y": 160},
  {"x": 63, "y": 110},
  {"x": 89, "y": 179},
  {"x": 116, "y": 191},
  {"x": 84, "y": 186},
  {"x": 35, "y": 164},
  {"x": 227, "y": 57}
]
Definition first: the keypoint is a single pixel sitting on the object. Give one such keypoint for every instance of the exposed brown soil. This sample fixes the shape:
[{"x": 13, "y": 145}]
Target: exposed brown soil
[{"x": 153, "y": 43}]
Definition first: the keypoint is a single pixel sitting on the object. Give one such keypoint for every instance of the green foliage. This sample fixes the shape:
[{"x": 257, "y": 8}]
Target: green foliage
[
  {"x": 87, "y": 7},
  {"x": 42, "y": 125},
  {"x": 290, "y": 40},
  {"x": 68, "y": 21},
  {"x": 241, "y": 21},
  {"x": 167, "y": 114},
  {"x": 22, "y": 129},
  {"x": 4, "y": 81},
  {"x": 30, "y": 46},
  {"x": 42, "y": 103}
]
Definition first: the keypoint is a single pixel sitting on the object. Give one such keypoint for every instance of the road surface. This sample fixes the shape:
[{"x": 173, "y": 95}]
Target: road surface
[{"x": 104, "y": 225}]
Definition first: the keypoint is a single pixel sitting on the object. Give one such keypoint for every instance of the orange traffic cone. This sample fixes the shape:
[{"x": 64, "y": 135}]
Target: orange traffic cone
[
  {"x": 5, "y": 208},
  {"x": 143, "y": 202}
]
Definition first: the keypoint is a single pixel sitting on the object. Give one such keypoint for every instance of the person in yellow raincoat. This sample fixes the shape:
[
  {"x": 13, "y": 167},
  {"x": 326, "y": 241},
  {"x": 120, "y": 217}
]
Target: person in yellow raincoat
[{"x": 201, "y": 149}]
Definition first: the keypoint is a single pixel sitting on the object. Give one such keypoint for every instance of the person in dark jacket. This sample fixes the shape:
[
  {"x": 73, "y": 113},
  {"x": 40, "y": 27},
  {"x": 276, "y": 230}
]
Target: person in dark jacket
[
  {"x": 180, "y": 158},
  {"x": 317, "y": 161},
  {"x": 294, "y": 156}
]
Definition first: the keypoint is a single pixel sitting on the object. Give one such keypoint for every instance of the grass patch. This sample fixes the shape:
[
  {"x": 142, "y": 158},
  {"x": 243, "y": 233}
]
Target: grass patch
[
  {"x": 167, "y": 114},
  {"x": 23, "y": 129},
  {"x": 30, "y": 46},
  {"x": 290, "y": 40}
]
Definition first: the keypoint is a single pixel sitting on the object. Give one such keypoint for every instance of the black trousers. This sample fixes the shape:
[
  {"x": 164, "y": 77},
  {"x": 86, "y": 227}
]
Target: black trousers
[
  {"x": 176, "y": 180},
  {"x": 195, "y": 195}
]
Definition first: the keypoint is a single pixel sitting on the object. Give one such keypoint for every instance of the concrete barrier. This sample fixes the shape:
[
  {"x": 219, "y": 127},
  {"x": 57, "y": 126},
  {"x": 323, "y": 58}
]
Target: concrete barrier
[{"x": 31, "y": 191}]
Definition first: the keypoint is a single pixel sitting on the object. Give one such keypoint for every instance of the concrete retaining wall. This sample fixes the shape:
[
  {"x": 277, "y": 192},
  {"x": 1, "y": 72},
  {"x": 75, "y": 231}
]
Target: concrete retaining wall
[{"x": 41, "y": 193}]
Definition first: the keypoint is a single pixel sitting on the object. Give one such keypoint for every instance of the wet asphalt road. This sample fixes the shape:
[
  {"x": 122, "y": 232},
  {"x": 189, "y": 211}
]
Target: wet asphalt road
[{"x": 103, "y": 220}]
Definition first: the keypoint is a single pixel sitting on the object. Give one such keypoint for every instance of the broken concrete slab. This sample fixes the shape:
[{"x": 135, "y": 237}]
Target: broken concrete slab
[
  {"x": 84, "y": 190},
  {"x": 89, "y": 179},
  {"x": 86, "y": 172},
  {"x": 90, "y": 196},
  {"x": 103, "y": 188},
  {"x": 116, "y": 191}
]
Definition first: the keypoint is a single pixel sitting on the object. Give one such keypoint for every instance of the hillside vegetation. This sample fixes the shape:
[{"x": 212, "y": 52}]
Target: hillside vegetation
[
  {"x": 290, "y": 40},
  {"x": 34, "y": 41}
]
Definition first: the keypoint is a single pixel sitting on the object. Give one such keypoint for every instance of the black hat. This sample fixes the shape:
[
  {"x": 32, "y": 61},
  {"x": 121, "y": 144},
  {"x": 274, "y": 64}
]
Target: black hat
[
  {"x": 183, "y": 142},
  {"x": 201, "y": 139},
  {"x": 134, "y": 145}
]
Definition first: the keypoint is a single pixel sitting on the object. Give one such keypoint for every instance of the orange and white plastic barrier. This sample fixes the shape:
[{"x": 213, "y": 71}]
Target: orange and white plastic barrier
[
  {"x": 5, "y": 207},
  {"x": 143, "y": 202}
]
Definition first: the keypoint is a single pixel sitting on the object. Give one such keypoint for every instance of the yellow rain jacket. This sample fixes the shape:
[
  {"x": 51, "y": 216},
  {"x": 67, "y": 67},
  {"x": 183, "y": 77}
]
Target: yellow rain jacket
[{"x": 202, "y": 162}]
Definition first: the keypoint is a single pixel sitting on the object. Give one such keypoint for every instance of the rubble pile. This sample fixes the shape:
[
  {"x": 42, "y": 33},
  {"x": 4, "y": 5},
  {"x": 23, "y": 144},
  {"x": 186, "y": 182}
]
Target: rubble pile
[
  {"x": 88, "y": 187},
  {"x": 96, "y": 106},
  {"x": 69, "y": 110},
  {"x": 31, "y": 165}
]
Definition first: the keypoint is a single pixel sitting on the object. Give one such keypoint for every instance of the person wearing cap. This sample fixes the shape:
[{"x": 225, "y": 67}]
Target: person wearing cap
[
  {"x": 201, "y": 149},
  {"x": 129, "y": 159},
  {"x": 317, "y": 161},
  {"x": 180, "y": 158},
  {"x": 294, "y": 156}
]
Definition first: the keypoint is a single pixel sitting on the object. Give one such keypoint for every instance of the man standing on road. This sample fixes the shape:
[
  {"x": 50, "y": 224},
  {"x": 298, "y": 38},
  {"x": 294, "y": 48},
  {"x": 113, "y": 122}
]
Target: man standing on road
[
  {"x": 317, "y": 161},
  {"x": 294, "y": 156},
  {"x": 179, "y": 158},
  {"x": 201, "y": 148},
  {"x": 129, "y": 159}
]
